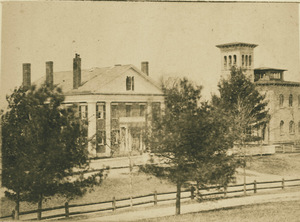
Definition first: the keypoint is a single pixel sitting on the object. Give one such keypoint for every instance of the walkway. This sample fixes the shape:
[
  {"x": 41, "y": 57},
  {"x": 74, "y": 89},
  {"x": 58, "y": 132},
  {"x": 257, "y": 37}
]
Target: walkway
[{"x": 198, "y": 207}]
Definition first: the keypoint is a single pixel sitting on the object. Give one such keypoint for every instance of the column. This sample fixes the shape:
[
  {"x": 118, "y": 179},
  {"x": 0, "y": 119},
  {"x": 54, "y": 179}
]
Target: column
[
  {"x": 92, "y": 128},
  {"x": 108, "y": 128}
]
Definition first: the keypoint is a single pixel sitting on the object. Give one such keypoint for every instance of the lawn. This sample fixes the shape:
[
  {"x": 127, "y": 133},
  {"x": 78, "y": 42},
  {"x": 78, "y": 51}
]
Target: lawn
[
  {"x": 118, "y": 184},
  {"x": 278, "y": 164},
  {"x": 118, "y": 187},
  {"x": 269, "y": 212}
]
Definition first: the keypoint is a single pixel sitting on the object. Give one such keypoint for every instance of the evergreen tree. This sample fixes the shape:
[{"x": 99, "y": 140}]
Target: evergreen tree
[
  {"x": 190, "y": 140},
  {"x": 243, "y": 105},
  {"x": 43, "y": 144}
]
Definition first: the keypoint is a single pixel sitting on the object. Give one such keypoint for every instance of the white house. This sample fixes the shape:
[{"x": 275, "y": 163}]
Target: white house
[{"x": 118, "y": 102}]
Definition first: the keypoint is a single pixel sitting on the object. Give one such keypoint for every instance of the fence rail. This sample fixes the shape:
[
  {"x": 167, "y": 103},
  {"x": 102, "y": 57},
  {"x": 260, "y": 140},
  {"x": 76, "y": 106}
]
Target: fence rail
[
  {"x": 155, "y": 198},
  {"x": 287, "y": 148}
]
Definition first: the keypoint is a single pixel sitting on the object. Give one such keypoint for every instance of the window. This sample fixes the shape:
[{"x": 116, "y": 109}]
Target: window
[
  {"x": 291, "y": 127},
  {"x": 281, "y": 100},
  {"x": 142, "y": 109},
  {"x": 115, "y": 137},
  {"x": 225, "y": 61},
  {"x": 234, "y": 59},
  {"x": 128, "y": 110},
  {"x": 83, "y": 111},
  {"x": 243, "y": 60},
  {"x": 100, "y": 138},
  {"x": 155, "y": 110},
  {"x": 230, "y": 61},
  {"x": 281, "y": 127},
  {"x": 246, "y": 58},
  {"x": 290, "y": 100},
  {"x": 250, "y": 60},
  {"x": 130, "y": 83},
  {"x": 100, "y": 111},
  {"x": 114, "y": 111}
]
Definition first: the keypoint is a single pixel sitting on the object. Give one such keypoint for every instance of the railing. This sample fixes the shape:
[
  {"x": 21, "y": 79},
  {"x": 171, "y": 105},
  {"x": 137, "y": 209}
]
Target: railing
[
  {"x": 287, "y": 148},
  {"x": 154, "y": 198}
]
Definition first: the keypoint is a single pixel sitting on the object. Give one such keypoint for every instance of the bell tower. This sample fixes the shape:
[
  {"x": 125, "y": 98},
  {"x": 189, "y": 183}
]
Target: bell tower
[{"x": 237, "y": 54}]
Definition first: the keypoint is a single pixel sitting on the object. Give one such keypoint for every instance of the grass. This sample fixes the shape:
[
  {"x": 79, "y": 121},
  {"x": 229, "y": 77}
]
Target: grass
[
  {"x": 118, "y": 186},
  {"x": 111, "y": 187},
  {"x": 277, "y": 164},
  {"x": 268, "y": 212}
]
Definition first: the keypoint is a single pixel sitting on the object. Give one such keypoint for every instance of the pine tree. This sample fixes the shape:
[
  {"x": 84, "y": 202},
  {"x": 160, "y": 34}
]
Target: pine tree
[
  {"x": 43, "y": 143},
  {"x": 191, "y": 140}
]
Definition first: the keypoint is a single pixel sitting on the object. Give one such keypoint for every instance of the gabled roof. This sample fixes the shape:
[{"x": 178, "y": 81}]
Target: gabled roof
[
  {"x": 92, "y": 79},
  {"x": 268, "y": 69},
  {"x": 235, "y": 44}
]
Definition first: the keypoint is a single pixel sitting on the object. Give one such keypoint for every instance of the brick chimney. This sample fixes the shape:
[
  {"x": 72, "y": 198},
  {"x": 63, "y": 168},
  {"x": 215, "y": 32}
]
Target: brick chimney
[
  {"x": 26, "y": 75},
  {"x": 145, "y": 68},
  {"x": 49, "y": 73},
  {"x": 76, "y": 71}
]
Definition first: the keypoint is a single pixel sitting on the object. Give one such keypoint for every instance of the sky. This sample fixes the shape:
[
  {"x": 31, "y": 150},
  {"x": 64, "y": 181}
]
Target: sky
[{"x": 178, "y": 39}]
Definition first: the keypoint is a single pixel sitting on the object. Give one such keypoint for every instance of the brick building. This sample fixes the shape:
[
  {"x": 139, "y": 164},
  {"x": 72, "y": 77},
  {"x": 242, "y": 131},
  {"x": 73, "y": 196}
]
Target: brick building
[
  {"x": 118, "y": 102},
  {"x": 283, "y": 96}
]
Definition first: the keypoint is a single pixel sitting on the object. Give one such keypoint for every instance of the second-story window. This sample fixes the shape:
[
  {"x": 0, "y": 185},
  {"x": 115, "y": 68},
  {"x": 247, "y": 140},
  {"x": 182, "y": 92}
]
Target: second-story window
[
  {"x": 83, "y": 111},
  {"x": 281, "y": 100},
  {"x": 114, "y": 111},
  {"x": 234, "y": 60},
  {"x": 225, "y": 61},
  {"x": 100, "y": 110},
  {"x": 128, "y": 110},
  {"x": 250, "y": 60},
  {"x": 142, "y": 109},
  {"x": 130, "y": 83},
  {"x": 243, "y": 60},
  {"x": 290, "y": 100},
  {"x": 230, "y": 61},
  {"x": 292, "y": 127},
  {"x": 281, "y": 127}
]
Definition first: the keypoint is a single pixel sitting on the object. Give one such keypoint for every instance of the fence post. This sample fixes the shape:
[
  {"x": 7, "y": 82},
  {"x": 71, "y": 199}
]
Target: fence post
[
  {"x": 67, "y": 209},
  {"x": 225, "y": 191},
  {"x": 254, "y": 183},
  {"x": 114, "y": 207},
  {"x": 282, "y": 183},
  {"x": 192, "y": 192},
  {"x": 155, "y": 197}
]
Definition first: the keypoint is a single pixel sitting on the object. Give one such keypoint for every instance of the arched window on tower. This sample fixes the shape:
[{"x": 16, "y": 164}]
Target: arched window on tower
[
  {"x": 230, "y": 61},
  {"x": 234, "y": 60},
  {"x": 246, "y": 58},
  {"x": 292, "y": 127},
  {"x": 281, "y": 100},
  {"x": 243, "y": 60},
  {"x": 225, "y": 61},
  {"x": 281, "y": 127},
  {"x": 290, "y": 100},
  {"x": 250, "y": 60}
]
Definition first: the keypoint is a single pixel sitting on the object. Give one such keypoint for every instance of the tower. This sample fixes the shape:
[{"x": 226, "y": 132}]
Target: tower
[{"x": 237, "y": 54}]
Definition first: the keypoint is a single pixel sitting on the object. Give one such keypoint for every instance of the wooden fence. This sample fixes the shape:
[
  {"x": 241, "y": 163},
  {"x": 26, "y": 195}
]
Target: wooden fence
[
  {"x": 287, "y": 148},
  {"x": 154, "y": 198}
]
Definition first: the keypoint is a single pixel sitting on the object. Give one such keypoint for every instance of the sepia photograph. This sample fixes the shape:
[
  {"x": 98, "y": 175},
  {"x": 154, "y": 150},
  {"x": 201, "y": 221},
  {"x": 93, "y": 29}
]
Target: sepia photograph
[{"x": 150, "y": 111}]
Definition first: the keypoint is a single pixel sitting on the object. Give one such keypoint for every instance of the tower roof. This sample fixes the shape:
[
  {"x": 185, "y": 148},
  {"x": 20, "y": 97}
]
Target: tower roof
[
  {"x": 269, "y": 69},
  {"x": 236, "y": 44}
]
